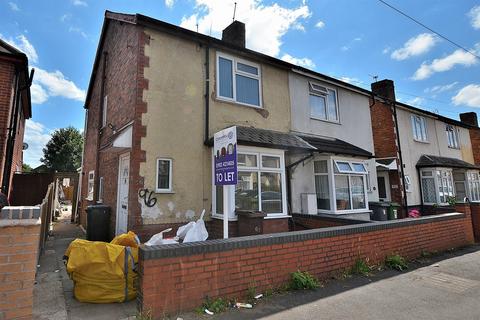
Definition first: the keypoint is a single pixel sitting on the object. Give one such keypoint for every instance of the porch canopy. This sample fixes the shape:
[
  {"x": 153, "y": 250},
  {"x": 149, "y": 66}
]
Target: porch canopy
[
  {"x": 249, "y": 136},
  {"x": 336, "y": 146},
  {"x": 386, "y": 164},
  {"x": 429, "y": 161}
]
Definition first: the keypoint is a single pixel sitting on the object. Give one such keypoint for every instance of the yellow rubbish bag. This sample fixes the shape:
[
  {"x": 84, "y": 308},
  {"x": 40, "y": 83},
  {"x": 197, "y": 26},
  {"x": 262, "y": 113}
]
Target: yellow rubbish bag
[
  {"x": 102, "y": 272},
  {"x": 129, "y": 239}
]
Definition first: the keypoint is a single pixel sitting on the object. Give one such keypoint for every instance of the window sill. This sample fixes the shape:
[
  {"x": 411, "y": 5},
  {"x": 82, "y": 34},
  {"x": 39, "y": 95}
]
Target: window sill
[
  {"x": 164, "y": 191},
  {"x": 220, "y": 217},
  {"x": 325, "y": 120},
  {"x": 89, "y": 199},
  {"x": 454, "y": 148},
  {"x": 420, "y": 141},
  {"x": 236, "y": 103}
]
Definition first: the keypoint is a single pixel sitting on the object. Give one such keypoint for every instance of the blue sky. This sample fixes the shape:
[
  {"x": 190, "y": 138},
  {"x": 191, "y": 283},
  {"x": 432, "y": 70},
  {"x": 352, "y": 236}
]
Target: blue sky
[{"x": 350, "y": 40}]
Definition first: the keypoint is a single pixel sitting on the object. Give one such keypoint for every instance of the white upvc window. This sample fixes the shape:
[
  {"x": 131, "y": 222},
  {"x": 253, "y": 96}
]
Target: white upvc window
[
  {"x": 437, "y": 185},
  {"x": 100, "y": 190},
  {"x": 261, "y": 183},
  {"x": 323, "y": 103},
  {"x": 164, "y": 176},
  {"x": 408, "y": 183},
  {"x": 473, "y": 182},
  {"x": 91, "y": 185},
  {"x": 419, "y": 128},
  {"x": 104, "y": 111},
  {"x": 452, "y": 136},
  {"x": 341, "y": 185},
  {"x": 238, "y": 81}
]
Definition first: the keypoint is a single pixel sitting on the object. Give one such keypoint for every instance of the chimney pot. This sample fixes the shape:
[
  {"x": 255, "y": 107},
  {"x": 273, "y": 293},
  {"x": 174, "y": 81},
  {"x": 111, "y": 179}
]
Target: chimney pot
[
  {"x": 384, "y": 88},
  {"x": 469, "y": 118},
  {"x": 235, "y": 34}
]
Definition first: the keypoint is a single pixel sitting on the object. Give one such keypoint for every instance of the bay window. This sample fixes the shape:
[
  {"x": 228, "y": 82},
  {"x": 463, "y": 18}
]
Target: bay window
[
  {"x": 238, "y": 81},
  {"x": 340, "y": 185},
  {"x": 437, "y": 185},
  {"x": 260, "y": 183}
]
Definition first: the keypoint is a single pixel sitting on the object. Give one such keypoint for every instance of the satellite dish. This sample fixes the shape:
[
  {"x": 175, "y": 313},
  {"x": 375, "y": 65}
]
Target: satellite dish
[{"x": 25, "y": 146}]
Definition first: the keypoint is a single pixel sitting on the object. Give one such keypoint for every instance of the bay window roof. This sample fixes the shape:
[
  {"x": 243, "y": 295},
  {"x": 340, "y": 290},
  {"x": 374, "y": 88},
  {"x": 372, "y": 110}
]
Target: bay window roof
[
  {"x": 336, "y": 146},
  {"x": 429, "y": 161}
]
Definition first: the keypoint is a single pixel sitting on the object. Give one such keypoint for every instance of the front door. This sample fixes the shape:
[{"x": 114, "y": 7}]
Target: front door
[
  {"x": 383, "y": 186},
  {"x": 122, "y": 194}
]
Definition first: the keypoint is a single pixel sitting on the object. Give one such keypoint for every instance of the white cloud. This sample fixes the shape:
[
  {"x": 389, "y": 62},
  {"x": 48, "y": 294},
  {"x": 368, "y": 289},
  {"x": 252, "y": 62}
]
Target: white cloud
[
  {"x": 265, "y": 24},
  {"x": 39, "y": 95},
  {"x": 78, "y": 30},
  {"x": 21, "y": 43},
  {"x": 415, "y": 46},
  {"x": 345, "y": 48},
  {"x": 65, "y": 17},
  {"x": 169, "y": 3},
  {"x": 441, "y": 88},
  {"x": 304, "y": 62},
  {"x": 468, "y": 95},
  {"x": 358, "y": 39},
  {"x": 416, "y": 102},
  {"x": 386, "y": 50},
  {"x": 36, "y": 136},
  {"x": 351, "y": 80},
  {"x": 55, "y": 84},
  {"x": 474, "y": 15},
  {"x": 13, "y": 6},
  {"x": 320, "y": 24},
  {"x": 458, "y": 57},
  {"x": 80, "y": 3}
]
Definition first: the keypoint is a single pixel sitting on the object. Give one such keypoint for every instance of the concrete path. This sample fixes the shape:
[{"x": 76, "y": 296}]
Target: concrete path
[
  {"x": 443, "y": 287},
  {"x": 53, "y": 293}
]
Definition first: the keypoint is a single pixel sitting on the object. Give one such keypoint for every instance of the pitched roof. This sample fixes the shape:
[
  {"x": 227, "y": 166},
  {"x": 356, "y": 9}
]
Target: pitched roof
[
  {"x": 336, "y": 146},
  {"x": 270, "y": 139},
  {"x": 428, "y": 161}
]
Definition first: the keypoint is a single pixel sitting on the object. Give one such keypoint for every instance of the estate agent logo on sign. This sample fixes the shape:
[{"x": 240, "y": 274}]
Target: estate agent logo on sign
[{"x": 225, "y": 154}]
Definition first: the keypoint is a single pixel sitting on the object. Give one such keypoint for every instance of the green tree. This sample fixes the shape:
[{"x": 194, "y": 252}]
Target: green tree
[
  {"x": 26, "y": 168},
  {"x": 63, "y": 153}
]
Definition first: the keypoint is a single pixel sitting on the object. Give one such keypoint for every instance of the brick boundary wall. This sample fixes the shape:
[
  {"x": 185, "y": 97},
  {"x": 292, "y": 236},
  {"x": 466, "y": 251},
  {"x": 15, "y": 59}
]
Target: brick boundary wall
[
  {"x": 310, "y": 221},
  {"x": 19, "y": 242},
  {"x": 178, "y": 277}
]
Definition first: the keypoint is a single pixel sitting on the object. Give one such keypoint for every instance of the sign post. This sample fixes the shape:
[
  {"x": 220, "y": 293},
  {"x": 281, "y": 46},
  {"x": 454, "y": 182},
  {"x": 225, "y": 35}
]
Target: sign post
[{"x": 225, "y": 161}]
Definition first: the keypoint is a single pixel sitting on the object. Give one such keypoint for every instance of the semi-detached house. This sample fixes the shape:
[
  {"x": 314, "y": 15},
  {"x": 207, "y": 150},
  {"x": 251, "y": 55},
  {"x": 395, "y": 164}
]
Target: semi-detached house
[{"x": 157, "y": 95}]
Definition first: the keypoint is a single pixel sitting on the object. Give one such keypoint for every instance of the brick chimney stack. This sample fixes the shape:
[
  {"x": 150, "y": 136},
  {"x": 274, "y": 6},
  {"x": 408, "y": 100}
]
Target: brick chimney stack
[
  {"x": 384, "y": 88},
  {"x": 235, "y": 34},
  {"x": 469, "y": 118}
]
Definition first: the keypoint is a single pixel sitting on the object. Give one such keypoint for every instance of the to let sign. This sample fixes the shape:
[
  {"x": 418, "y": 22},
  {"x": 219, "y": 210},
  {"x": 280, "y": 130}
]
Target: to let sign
[{"x": 225, "y": 156}]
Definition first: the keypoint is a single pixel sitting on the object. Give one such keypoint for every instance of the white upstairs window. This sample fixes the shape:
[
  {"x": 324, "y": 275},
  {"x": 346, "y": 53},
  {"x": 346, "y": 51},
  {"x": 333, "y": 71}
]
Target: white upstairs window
[
  {"x": 238, "y": 81},
  {"x": 323, "y": 103},
  {"x": 419, "y": 128},
  {"x": 452, "y": 136}
]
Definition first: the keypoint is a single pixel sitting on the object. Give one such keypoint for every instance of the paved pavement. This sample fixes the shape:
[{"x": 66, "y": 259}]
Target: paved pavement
[
  {"x": 53, "y": 293},
  {"x": 442, "y": 287}
]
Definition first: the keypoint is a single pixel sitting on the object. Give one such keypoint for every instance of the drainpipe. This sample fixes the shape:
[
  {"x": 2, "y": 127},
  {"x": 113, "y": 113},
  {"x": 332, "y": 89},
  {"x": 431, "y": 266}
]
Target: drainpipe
[
  {"x": 421, "y": 191},
  {"x": 12, "y": 130},
  {"x": 100, "y": 129},
  {"x": 405, "y": 201},
  {"x": 207, "y": 94}
]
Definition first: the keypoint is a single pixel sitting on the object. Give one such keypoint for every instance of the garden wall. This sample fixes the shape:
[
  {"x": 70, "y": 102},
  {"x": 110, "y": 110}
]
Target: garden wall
[{"x": 179, "y": 277}]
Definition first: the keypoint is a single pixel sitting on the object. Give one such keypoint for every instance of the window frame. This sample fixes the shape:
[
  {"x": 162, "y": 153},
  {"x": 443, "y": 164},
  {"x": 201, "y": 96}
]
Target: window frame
[
  {"x": 470, "y": 181},
  {"x": 90, "y": 183},
  {"x": 408, "y": 183},
  {"x": 236, "y": 71},
  {"x": 331, "y": 164},
  {"x": 170, "y": 176},
  {"x": 312, "y": 91},
  {"x": 438, "y": 181},
  {"x": 104, "y": 111},
  {"x": 259, "y": 169},
  {"x": 453, "y": 136},
  {"x": 423, "y": 128}
]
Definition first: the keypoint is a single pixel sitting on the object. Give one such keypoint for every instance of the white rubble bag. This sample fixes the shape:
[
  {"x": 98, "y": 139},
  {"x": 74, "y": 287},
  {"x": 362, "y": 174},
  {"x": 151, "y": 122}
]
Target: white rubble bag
[
  {"x": 198, "y": 232},
  {"x": 183, "y": 230},
  {"x": 157, "y": 239}
]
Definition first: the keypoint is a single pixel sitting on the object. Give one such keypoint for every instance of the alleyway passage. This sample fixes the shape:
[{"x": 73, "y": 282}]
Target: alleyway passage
[{"x": 53, "y": 293}]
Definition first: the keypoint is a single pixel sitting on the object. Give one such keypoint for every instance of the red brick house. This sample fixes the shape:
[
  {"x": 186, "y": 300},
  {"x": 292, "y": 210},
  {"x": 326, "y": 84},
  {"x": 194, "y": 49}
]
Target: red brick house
[{"x": 15, "y": 108}]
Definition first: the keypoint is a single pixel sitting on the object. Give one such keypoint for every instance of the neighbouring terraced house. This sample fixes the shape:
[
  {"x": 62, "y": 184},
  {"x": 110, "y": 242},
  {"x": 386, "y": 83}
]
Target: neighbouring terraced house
[{"x": 158, "y": 93}]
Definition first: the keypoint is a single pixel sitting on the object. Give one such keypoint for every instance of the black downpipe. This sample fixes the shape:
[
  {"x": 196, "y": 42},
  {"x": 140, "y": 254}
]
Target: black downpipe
[
  {"x": 207, "y": 94},
  {"x": 400, "y": 158},
  {"x": 12, "y": 130},
  {"x": 100, "y": 129},
  {"x": 421, "y": 191}
]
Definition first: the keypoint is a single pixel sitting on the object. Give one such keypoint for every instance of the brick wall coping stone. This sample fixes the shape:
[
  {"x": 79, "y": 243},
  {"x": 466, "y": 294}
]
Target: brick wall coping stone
[
  {"x": 209, "y": 246},
  {"x": 20, "y": 212},
  {"x": 19, "y": 222},
  {"x": 330, "y": 217}
]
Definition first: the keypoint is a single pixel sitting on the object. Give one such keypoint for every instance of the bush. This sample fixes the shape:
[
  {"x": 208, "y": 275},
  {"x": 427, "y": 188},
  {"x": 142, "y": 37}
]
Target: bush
[
  {"x": 216, "y": 306},
  {"x": 396, "y": 262},
  {"x": 303, "y": 280}
]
